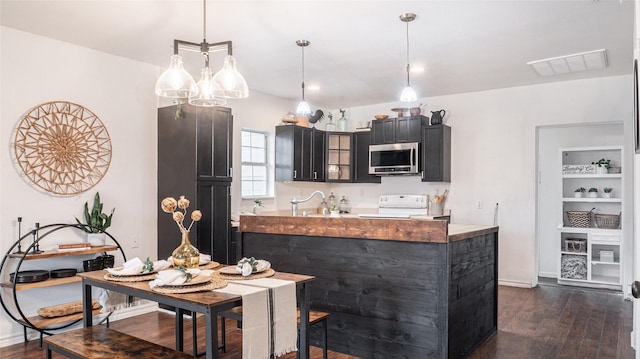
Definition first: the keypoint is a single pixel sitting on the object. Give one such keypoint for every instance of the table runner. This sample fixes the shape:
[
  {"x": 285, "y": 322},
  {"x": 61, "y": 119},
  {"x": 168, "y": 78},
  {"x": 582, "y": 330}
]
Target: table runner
[{"x": 268, "y": 316}]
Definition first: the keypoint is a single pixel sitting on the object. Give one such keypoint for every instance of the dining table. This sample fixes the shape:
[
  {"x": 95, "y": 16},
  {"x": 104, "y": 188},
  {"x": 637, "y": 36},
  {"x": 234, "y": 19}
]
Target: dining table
[{"x": 209, "y": 303}]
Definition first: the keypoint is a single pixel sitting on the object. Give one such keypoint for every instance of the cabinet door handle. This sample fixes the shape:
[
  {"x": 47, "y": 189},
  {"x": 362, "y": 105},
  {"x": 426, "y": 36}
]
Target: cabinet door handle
[
  {"x": 315, "y": 175},
  {"x": 421, "y": 174},
  {"x": 295, "y": 173},
  {"x": 230, "y": 171},
  {"x": 635, "y": 289}
]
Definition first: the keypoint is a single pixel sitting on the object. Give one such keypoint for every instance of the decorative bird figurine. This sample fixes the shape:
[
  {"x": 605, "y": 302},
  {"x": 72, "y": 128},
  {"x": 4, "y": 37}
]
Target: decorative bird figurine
[{"x": 316, "y": 116}]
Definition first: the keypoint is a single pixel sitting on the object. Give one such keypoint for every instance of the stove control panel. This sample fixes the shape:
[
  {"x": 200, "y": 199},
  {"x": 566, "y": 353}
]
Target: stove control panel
[{"x": 403, "y": 201}]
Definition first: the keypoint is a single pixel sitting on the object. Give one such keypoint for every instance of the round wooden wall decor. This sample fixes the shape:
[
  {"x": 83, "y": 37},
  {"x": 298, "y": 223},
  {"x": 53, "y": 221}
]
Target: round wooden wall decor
[{"x": 63, "y": 147}]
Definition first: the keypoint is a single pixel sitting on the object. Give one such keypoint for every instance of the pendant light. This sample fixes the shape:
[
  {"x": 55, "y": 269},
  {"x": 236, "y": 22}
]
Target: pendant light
[
  {"x": 303, "y": 108},
  {"x": 210, "y": 90},
  {"x": 408, "y": 93}
]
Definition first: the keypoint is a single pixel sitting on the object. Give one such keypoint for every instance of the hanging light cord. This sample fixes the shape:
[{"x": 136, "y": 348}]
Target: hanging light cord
[
  {"x": 302, "y": 47},
  {"x": 408, "y": 66},
  {"x": 204, "y": 47},
  {"x": 204, "y": 21}
]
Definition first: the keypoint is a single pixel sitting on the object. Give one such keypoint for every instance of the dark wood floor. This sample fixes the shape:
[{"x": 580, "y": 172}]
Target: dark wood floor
[{"x": 543, "y": 322}]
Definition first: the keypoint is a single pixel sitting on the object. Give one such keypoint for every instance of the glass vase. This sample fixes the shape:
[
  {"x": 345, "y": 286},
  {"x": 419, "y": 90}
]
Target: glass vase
[
  {"x": 342, "y": 124},
  {"x": 186, "y": 254},
  {"x": 330, "y": 126}
]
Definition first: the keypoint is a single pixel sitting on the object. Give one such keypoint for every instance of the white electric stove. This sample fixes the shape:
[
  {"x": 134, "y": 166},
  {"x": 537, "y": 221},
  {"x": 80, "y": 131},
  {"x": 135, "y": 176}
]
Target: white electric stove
[{"x": 400, "y": 206}]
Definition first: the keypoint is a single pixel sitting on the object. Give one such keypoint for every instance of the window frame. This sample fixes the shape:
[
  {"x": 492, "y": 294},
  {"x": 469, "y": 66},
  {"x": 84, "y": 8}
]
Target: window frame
[{"x": 264, "y": 164}]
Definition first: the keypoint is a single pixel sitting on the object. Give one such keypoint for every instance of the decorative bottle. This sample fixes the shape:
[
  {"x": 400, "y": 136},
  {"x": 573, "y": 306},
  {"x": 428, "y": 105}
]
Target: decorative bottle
[
  {"x": 342, "y": 122},
  {"x": 186, "y": 254},
  {"x": 330, "y": 126}
]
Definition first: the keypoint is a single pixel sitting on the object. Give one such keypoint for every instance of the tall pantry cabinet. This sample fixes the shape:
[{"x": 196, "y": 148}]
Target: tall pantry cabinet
[{"x": 195, "y": 160}]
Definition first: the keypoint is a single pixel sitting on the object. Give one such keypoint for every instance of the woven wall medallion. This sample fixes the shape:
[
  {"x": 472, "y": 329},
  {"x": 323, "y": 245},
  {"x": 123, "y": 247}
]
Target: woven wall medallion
[{"x": 62, "y": 147}]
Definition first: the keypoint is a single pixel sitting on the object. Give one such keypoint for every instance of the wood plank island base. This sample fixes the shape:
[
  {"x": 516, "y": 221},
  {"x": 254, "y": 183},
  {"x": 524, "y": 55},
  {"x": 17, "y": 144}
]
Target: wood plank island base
[{"x": 395, "y": 288}]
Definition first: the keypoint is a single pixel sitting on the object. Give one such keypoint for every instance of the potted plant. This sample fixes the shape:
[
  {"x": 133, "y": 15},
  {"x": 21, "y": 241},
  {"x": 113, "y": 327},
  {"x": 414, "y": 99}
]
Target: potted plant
[
  {"x": 96, "y": 222},
  {"x": 593, "y": 192},
  {"x": 333, "y": 209},
  {"x": 607, "y": 192},
  {"x": 602, "y": 165},
  {"x": 579, "y": 192},
  {"x": 257, "y": 206}
]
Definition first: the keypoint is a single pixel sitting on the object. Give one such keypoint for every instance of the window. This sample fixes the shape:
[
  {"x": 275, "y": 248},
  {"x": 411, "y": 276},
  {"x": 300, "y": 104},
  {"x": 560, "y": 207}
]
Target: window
[{"x": 254, "y": 164}]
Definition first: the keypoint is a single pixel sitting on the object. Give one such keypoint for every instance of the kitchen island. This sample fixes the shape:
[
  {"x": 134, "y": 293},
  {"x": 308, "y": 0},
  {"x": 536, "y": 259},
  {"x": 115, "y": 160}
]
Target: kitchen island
[{"x": 395, "y": 288}]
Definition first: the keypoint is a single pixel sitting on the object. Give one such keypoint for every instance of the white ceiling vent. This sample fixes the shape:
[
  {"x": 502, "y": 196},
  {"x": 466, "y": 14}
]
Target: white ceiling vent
[{"x": 590, "y": 60}]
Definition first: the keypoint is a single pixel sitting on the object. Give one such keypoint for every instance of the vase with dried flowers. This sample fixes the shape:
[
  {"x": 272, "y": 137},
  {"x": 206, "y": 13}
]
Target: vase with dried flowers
[{"x": 186, "y": 254}]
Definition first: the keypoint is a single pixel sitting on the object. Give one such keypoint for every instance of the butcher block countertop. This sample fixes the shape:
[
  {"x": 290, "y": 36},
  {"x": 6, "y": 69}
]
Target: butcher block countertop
[{"x": 409, "y": 230}]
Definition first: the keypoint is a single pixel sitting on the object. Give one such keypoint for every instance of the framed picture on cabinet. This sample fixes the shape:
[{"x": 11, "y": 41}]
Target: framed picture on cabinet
[{"x": 636, "y": 103}]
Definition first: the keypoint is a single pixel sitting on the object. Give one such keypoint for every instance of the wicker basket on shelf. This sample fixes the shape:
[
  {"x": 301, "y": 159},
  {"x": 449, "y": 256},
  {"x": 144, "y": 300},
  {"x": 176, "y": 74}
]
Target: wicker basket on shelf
[
  {"x": 580, "y": 219},
  {"x": 608, "y": 221}
]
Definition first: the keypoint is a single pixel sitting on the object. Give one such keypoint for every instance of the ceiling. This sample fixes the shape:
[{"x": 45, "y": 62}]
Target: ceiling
[{"x": 358, "y": 50}]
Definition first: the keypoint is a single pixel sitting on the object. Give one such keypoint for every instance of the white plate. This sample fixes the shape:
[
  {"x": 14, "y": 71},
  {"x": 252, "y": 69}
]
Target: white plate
[
  {"x": 114, "y": 272},
  {"x": 197, "y": 280},
  {"x": 233, "y": 270}
]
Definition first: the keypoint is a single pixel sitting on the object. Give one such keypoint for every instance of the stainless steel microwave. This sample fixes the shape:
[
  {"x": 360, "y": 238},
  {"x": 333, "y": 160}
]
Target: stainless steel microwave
[{"x": 394, "y": 158}]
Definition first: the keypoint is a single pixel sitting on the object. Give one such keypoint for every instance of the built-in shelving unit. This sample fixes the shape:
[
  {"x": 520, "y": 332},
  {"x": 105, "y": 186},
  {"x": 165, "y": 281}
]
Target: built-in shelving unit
[{"x": 590, "y": 244}]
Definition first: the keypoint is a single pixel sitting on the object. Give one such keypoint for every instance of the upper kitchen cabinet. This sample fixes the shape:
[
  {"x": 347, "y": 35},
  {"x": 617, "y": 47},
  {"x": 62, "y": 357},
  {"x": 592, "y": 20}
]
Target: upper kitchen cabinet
[
  {"x": 300, "y": 154},
  {"x": 396, "y": 130},
  {"x": 360, "y": 147},
  {"x": 436, "y": 153},
  {"x": 339, "y": 157}
]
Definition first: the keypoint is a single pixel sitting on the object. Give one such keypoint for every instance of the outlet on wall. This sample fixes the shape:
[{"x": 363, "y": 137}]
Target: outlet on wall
[
  {"x": 479, "y": 204},
  {"x": 135, "y": 241}
]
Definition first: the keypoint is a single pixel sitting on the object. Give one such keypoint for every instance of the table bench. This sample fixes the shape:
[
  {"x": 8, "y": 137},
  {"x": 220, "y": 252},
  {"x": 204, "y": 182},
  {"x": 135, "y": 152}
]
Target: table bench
[{"x": 98, "y": 342}]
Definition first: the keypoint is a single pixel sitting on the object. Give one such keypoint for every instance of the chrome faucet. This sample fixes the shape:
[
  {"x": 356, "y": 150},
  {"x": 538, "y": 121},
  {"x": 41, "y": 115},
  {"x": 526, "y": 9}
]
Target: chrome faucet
[{"x": 295, "y": 202}]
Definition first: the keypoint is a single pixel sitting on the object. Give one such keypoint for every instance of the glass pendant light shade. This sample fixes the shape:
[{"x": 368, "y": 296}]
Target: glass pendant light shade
[
  {"x": 229, "y": 82},
  {"x": 408, "y": 95},
  {"x": 175, "y": 82},
  {"x": 204, "y": 94},
  {"x": 303, "y": 108}
]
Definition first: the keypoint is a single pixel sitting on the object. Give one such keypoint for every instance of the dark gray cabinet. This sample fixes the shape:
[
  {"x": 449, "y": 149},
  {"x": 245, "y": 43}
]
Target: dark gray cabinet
[
  {"x": 360, "y": 147},
  {"x": 300, "y": 154},
  {"x": 396, "y": 130},
  {"x": 436, "y": 153},
  {"x": 194, "y": 160}
]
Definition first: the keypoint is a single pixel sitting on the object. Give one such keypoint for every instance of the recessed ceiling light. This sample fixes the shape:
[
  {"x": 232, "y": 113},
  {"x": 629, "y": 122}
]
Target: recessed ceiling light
[{"x": 590, "y": 60}]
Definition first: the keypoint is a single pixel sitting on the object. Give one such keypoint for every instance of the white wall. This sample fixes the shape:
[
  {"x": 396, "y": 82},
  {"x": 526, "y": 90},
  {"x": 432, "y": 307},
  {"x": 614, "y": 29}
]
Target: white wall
[{"x": 120, "y": 92}]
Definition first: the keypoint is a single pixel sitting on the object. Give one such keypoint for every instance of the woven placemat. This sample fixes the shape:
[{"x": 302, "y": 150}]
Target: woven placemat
[
  {"x": 209, "y": 265},
  {"x": 267, "y": 273},
  {"x": 130, "y": 278},
  {"x": 214, "y": 283}
]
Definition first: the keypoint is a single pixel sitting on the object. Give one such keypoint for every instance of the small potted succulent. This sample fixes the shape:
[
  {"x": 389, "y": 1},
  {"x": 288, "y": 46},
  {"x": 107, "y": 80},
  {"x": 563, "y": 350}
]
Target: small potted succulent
[
  {"x": 333, "y": 209},
  {"x": 579, "y": 192},
  {"x": 607, "y": 192},
  {"x": 593, "y": 192},
  {"x": 602, "y": 166},
  {"x": 257, "y": 206}
]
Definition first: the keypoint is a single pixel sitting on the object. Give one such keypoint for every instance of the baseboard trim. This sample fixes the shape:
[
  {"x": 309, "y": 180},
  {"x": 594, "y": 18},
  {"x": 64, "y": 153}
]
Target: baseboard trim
[
  {"x": 513, "y": 283},
  {"x": 548, "y": 275},
  {"x": 17, "y": 337}
]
